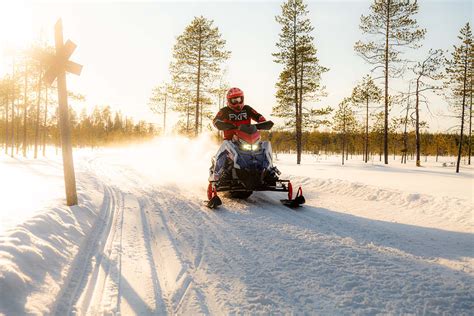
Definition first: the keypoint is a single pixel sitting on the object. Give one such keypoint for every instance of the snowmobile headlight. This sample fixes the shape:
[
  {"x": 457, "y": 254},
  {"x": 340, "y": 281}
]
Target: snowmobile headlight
[
  {"x": 246, "y": 146},
  {"x": 249, "y": 147}
]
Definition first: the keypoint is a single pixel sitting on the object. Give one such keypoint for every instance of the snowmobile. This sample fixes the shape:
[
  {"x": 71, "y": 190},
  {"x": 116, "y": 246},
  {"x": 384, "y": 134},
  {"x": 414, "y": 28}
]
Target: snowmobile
[{"x": 244, "y": 165}]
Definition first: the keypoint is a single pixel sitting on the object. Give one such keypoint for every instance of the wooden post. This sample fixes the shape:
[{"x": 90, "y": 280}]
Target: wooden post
[
  {"x": 64, "y": 126},
  {"x": 58, "y": 65}
]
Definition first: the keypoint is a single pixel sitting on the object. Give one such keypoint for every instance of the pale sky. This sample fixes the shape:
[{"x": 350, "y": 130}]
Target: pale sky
[{"x": 126, "y": 46}]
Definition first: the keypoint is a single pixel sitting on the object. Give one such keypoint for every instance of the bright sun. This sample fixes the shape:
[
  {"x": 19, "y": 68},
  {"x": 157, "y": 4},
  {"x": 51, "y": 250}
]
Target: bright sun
[{"x": 15, "y": 23}]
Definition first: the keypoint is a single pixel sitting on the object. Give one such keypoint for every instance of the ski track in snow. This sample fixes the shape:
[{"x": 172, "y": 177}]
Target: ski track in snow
[
  {"x": 155, "y": 249},
  {"x": 162, "y": 252}
]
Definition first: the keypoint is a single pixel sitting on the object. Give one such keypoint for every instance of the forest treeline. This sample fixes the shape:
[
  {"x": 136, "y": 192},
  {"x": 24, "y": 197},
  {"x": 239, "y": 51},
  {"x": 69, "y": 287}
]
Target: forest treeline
[
  {"x": 99, "y": 128},
  {"x": 330, "y": 143}
]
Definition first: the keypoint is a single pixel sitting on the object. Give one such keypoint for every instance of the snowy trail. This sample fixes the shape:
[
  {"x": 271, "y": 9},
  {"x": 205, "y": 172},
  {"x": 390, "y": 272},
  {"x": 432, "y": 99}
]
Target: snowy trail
[{"x": 163, "y": 252}]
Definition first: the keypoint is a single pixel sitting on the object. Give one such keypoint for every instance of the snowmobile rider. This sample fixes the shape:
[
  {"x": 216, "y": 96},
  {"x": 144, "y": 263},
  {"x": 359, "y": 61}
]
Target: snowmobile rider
[{"x": 236, "y": 113}]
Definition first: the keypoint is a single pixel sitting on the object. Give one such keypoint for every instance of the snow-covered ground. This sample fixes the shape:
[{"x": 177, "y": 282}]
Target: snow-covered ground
[{"x": 371, "y": 238}]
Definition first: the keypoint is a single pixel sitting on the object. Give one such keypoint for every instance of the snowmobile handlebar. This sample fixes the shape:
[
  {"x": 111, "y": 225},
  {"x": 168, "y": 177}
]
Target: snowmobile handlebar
[
  {"x": 226, "y": 126},
  {"x": 265, "y": 126}
]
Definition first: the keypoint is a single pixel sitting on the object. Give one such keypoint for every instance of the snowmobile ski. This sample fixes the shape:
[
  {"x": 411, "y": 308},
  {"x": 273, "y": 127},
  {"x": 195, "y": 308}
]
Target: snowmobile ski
[
  {"x": 214, "y": 202},
  {"x": 296, "y": 202}
]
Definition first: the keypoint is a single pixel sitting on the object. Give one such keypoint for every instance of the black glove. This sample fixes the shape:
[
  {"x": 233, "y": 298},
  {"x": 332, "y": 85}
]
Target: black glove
[{"x": 224, "y": 126}]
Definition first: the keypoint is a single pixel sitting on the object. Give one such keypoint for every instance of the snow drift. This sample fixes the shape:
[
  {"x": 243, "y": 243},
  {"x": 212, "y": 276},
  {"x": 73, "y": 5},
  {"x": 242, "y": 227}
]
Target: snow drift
[
  {"x": 371, "y": 238},
  {"x": 36, "y": 255}
]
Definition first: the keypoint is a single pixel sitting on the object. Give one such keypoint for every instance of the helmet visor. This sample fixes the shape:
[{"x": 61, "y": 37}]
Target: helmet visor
[{"x": 236, "y": 100}]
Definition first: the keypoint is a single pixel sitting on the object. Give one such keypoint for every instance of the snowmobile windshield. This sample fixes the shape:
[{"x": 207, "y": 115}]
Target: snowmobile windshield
[{"x": 248, "y": 129}]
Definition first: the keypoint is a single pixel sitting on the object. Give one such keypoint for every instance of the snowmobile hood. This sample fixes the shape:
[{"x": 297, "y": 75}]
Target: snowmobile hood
[{"x": 249, "y": 138}]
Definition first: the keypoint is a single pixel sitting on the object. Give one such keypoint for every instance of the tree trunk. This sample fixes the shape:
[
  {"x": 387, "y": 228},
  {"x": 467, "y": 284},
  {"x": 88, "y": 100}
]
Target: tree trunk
[
  {"x": 300, "y": 105},
  {"x": 343, "y": 146},
  {"x": 37, "y": 116},
  {"x": 417, "y": 123},
  {"x": 437, "y": 151},
  {"x": 196, "y": 122},
  {"x": 25, "y": 110},
  {"x": 462, "y": 112},
  {"x": 6, "y": 125},
  {"x": 164, "y": 115},
  {"x": 200, "y": 119},
  {"x": 405, "y": 134},
  {"x": 12, "y": 139},
  {"x": 385, "y": 137},
  {"x": 470, "y": 127},
  {"x": 45, "y": 120},
  {"x": 17, "y": 123},
  {"x": 366, "y": 150},
  {"x": 295, "y": 75}
]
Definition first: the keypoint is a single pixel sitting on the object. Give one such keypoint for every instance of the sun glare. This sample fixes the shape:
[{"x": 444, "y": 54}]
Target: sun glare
[{"x": 16, "y": 27}]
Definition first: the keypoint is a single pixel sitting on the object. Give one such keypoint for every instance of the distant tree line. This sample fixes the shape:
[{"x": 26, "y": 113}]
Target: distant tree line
[
  {"x": 29, "y": 112},
  {"x": 330, "y": 143}
]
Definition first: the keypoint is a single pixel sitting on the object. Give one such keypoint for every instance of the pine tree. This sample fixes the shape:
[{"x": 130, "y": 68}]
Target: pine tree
[
  {"x": 160, "y": 100},
  {"x": 344, "y": 122},
  {"x": 365, "y": 93},
  {"x": 471, "y": 79},
  {"x": 392, "y": 27},
  {"x": 458, "y": 81},
  {"x": 300, "y": 79},
  {"x": 197, "y": 57},
  {"x": 429, "y": 69}
]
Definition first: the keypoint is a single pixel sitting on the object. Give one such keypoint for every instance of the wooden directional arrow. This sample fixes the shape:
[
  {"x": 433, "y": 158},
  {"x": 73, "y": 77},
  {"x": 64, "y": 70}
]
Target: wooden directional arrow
[{"x": 60, "y": 62}]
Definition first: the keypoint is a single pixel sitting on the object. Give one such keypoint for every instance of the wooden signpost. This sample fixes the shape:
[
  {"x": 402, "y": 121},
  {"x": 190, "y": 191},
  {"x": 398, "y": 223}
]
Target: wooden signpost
[{"x": 59, "y": 64}]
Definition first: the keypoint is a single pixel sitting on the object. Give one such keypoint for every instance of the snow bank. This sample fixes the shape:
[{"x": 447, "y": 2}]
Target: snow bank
[
  {"x": 429, "y": 196},
  {"x": 28, "y": 186},
  {"x": 38, "y": 246},
  {"x": 431, "y": 179}
]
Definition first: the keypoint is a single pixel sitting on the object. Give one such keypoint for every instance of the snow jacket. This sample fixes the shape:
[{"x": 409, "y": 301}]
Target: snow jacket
[{"x": 245, "y": 116}]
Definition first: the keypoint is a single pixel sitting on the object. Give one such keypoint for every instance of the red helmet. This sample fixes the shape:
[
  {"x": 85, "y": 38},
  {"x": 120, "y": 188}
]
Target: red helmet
[{"x": 235, "y": 99}]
